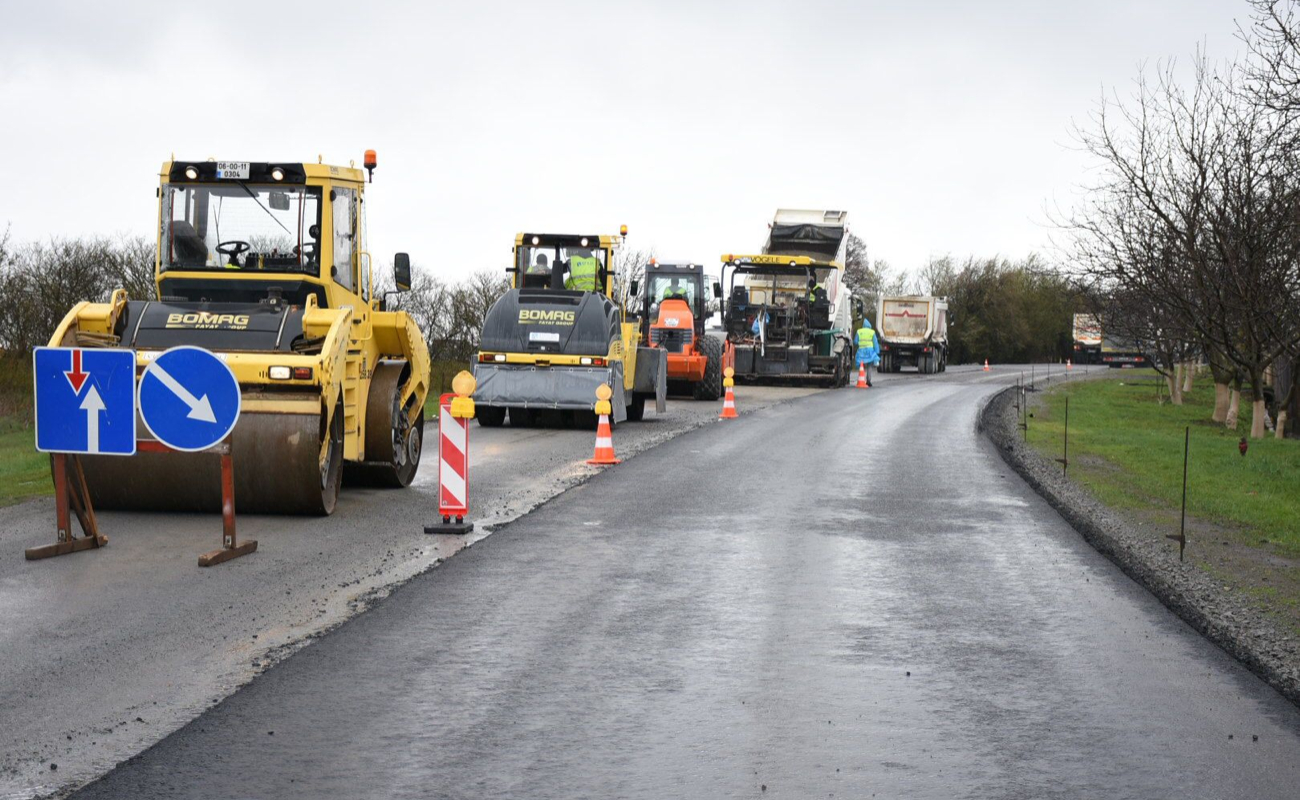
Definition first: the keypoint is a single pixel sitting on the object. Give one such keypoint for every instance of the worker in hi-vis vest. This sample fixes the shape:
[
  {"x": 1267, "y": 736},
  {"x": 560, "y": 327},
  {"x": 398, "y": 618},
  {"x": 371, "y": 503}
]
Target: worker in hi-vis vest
[
  {"x": 583, "y": 271},
  {"x": 868, "y": 347}
]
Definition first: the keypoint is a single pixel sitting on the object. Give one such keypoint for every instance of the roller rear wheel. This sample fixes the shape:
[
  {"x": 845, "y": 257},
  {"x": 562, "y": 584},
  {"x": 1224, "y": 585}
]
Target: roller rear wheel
[
  {"x": 490, "y": 416},
  {"x": 393, "y": 442},
  {"x": 331, "y": 463}
]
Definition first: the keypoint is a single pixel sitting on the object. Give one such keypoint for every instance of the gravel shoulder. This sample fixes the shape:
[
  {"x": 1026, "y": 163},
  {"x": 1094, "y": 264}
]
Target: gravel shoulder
[{"x": 1230, "y": 621}]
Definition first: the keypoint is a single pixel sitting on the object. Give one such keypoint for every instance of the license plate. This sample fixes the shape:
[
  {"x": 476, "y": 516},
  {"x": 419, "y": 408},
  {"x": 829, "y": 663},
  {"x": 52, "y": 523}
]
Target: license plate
[
  {"x": 232, "y": 170},
  {"x": 534, "y": 336}
]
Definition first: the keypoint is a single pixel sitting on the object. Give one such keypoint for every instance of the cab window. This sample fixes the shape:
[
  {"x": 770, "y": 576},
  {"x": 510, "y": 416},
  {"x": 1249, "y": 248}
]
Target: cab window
[{"x": 345, "y": 234}]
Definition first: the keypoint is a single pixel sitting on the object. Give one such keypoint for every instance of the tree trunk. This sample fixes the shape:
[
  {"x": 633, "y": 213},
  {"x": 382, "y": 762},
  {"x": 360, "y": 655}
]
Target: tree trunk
[
  {"x": 1280, "y": 431},
  {"x": 1234, "y": 403},
  {"x": 1257, "y": 412},
  {"x": 1221, "y": 394},
  {"x": 1172, "y": 380},
  {"x": 1189, "y": 369}
]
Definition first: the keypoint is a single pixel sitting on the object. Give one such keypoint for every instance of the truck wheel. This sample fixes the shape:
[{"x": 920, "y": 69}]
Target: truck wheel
[
  {"x": 710, "y": 388},
  {"x": 490, "y": 416},
  {"x": 636, "y": 410}
]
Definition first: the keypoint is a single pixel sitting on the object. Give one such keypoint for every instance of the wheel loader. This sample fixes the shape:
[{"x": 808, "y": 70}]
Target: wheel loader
[
  {"x": 558, "y": 333},
  {"x": 264, "y": 264},
  {"x": 675, "y": 308}
]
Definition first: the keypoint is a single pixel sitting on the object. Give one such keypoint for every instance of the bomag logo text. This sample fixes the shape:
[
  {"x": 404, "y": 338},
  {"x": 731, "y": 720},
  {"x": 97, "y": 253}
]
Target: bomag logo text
[
  {"x": 532, "y": 316},
  {"x": 204, "y": 319}
]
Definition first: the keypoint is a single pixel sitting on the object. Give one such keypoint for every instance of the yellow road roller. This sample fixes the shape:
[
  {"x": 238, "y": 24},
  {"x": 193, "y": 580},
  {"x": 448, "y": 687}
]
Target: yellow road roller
[{"x": 265, "y": 265}]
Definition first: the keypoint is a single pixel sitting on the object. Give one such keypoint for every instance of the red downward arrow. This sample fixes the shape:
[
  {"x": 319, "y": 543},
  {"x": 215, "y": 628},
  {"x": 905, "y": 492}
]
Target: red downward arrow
[{"x": 77, "y": 378}]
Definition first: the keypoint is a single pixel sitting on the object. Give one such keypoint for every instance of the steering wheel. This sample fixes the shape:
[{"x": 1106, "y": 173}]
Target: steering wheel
[{"x": 233, "y": 248}]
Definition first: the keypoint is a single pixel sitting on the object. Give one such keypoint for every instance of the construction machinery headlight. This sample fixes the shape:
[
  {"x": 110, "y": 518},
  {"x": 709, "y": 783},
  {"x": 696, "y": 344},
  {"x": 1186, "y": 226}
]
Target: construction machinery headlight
[
  {"x": 192, "y": 173},
  {"x": 536, "y": 241},
  {"x": 277, "y": 174},
  {"x": 589, "y": 361},
  {"x": 583, "y": 241},
  {"x": 281, "y": 373},
  {"x": 487, "y": 358}
]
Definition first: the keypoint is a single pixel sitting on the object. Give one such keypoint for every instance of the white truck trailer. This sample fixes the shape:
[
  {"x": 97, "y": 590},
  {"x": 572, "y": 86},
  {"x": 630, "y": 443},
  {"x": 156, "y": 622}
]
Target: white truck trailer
[
  {"x": 913, "y": 332},
  {"x": 1087, "y": 339}
]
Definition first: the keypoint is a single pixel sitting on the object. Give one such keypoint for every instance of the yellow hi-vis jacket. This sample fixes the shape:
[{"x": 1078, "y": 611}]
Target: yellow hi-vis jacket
[{"x": 582, "y": 274}]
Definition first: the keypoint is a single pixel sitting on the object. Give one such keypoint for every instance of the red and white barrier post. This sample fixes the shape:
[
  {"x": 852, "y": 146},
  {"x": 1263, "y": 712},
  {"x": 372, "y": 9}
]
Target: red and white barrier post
[{"x": 455, "y": 410}]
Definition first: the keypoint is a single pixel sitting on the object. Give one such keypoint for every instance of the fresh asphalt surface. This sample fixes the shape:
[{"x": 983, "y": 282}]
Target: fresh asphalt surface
[
  {"x": 105, "y": 652},
  {"x": 848, "y": 595}
]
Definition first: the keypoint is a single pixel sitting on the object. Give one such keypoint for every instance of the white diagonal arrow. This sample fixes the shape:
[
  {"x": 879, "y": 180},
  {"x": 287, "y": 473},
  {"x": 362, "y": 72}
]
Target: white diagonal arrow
[
  {"x": 200, "y": 408},
  {"x": 92, "y": 404}
]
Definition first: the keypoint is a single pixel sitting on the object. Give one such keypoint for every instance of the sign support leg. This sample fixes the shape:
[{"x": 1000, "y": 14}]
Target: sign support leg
[
  {"x": 230, "y": 547},
  {"x": 67, "y": 498}
]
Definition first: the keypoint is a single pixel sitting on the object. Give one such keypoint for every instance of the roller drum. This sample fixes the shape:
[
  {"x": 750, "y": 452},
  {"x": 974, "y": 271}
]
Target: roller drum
[{"x": 276, "y": 465}]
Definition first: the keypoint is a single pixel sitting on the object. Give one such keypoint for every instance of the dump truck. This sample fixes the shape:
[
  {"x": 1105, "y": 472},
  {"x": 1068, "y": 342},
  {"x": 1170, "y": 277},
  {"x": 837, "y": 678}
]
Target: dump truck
[
  {"x": 913, "y": 332},
  {"x": 1087, "y": 339},
  {"x": 675, "y": 304},
  {"x": 265, "y": 265},
  {"x": 558, "y": 333},
  {"x": 788, "y": 314},
  {"x": 1117, "y": 352}
]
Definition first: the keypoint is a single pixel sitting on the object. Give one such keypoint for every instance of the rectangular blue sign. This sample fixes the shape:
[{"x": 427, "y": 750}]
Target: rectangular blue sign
[{"x": 85, "y": 400}]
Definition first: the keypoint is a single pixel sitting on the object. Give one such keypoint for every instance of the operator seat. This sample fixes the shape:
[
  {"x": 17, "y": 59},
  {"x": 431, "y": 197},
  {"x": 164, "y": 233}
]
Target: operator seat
[
  {"x": 819, "y": 310},
  {"x": 737, "y": 310},
  {"x": 188, "y": 247}
]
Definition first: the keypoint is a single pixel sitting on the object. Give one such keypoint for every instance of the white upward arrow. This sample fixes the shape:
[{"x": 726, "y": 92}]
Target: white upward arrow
[
  {"x": 92, "y": 404},
  {"x": 200, "y": 408}
]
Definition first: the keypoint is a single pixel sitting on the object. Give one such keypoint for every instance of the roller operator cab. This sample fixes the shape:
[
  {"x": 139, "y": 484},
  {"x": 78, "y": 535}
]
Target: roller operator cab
[
  {"x": 265, "y": 264},
  {"x": 675, "y": 304},
  {"x": 558, "y": 333}
]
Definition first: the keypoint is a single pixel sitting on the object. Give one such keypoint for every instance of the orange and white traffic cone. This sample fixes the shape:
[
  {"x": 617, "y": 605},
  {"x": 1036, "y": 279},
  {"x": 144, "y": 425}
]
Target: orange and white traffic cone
[
  {"x": 862, "y": 377},
  {"x": 1069, "y": 364},
  {"x": 986, "y": 365},
  {"x": 604, "y": 437},
  {"x": 729, "y": 402},
  {"x": 604, "y": 444}
]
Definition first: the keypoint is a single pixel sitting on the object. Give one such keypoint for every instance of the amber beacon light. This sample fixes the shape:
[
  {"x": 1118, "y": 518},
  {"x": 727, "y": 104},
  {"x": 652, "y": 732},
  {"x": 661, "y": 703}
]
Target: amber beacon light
[{"x": 370, "y": 161}]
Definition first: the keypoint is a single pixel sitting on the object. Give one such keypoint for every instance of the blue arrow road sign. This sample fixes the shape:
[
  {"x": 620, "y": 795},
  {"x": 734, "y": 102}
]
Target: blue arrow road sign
[
  {"x": 85, "y": 400},
  {"x": 189, "y": 398}
]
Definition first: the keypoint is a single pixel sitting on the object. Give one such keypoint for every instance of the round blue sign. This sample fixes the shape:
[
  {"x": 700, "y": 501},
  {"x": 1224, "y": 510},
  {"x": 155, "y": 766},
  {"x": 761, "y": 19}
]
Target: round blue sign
[{"x": 188, "y": 398}]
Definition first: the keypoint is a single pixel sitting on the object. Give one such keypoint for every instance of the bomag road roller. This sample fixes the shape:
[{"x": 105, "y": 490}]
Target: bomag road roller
[
  {"x": 675, "y": 308},
  {"x": 788, "y": 313},
  {"x": 558, "y": 333},
  {"x": 265, "y": 265}
]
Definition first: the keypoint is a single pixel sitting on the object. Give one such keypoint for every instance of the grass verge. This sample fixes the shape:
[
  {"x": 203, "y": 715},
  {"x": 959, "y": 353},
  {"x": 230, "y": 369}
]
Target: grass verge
[{"x": 1126, "y": 448}]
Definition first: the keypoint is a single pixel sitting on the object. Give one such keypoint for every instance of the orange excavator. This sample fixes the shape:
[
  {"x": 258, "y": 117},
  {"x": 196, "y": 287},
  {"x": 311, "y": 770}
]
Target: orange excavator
[{"x": 675, "y": 310}]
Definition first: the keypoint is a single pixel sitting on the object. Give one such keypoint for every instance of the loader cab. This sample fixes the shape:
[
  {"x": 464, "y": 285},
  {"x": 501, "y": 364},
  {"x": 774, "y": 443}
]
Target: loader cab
[
  {"x": 683, "y": 282},
  {"x": 253, "y": 232},
  {"x": 552, "y": 261}
]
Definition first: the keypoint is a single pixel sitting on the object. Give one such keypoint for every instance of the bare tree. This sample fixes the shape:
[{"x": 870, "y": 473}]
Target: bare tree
[{"x": 1197, "y": 216}]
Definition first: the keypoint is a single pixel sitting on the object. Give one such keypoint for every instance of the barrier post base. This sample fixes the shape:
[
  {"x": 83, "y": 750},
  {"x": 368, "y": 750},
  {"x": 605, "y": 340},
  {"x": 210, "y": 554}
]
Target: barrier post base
[{"x": 457, "y": 526}]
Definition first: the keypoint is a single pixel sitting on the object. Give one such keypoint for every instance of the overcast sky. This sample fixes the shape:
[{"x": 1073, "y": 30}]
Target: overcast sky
[{"x": 942, "y": 127}]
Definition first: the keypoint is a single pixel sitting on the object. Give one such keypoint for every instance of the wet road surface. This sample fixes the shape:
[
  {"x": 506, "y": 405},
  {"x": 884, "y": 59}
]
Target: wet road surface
[
  {"x": 102, "y": 653},
  {"x": 845, "y": 596}
]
